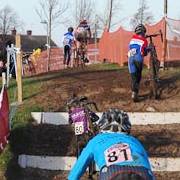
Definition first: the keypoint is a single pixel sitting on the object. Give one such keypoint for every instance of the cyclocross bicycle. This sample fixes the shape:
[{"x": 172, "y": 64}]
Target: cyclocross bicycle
[
  {"x": 80, "y": 55},
  {"x": 83, "y": 118},
  {"x": 154, "y": 64}
]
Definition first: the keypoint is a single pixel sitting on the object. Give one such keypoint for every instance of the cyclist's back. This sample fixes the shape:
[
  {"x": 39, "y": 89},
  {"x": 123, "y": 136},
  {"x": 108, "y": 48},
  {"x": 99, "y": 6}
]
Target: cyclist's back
[
  {"x": 83, "y": 31},
  {"x": 138, "y": 45},
  {"x": 68, "y": 40},
  {"x": 117, "y": 155}
]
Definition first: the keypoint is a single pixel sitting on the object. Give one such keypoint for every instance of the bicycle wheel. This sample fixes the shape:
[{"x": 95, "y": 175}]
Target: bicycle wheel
[
  {"x": 155, "y": 78},
  {"x": 77, "y": 147},
  {"x": 75, "y": 58}
]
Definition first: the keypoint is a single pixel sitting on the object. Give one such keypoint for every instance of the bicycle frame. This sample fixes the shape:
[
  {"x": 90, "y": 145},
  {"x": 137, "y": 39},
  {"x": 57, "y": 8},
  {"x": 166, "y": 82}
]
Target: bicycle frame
[
  {"x": 79, "y": 57},
  {"x": 80, "y": 53},
  {"x": 154, "y": 64},
  {"x": 84, "y": 103}
]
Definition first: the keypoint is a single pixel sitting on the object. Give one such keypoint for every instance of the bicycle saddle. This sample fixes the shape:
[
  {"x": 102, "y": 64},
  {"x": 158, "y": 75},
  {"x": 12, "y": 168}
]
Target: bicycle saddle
[{"x": 83, "y": 98}]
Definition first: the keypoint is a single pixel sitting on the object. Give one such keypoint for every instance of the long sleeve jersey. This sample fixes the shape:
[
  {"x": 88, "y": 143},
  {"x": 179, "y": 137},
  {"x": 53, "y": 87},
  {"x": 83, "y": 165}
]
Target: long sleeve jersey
[
  {"x": 138, "y": 47},
  {"x": 110, "y": 149},
  {"x": 68, "y": 39}
]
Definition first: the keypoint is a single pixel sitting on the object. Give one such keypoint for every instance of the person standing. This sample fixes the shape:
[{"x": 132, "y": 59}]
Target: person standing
[
  {"x": 137, "y": 50},
  {"x": 68, "y": 40}
]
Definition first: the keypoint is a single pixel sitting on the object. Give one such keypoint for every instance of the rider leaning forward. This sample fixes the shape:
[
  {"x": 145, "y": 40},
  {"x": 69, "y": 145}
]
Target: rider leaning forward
[
  {"x": 117, "y": 154},
  {"x": 82, "y": 34}
]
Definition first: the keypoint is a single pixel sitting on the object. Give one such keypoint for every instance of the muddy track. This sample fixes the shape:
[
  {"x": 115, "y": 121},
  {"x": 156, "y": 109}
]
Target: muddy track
[{"x": 108, "y": 88}]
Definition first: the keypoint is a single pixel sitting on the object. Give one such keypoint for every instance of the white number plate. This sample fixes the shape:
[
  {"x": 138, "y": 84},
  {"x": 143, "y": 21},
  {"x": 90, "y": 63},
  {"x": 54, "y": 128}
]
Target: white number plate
[
  {"x": 118, "y": 153},
  {"x": 131, "y": 52},
  {"x": 79, "y": 128}
]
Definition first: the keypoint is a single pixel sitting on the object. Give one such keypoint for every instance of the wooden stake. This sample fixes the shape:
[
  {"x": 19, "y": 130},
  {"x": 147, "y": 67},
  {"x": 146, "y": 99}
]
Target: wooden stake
[
  {"x": 164, "y": 34},
  {"x": 19, "y": 67}
]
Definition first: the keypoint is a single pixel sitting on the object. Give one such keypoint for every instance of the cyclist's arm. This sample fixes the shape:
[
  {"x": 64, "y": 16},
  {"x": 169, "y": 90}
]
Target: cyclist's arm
[
  {"x": 143, "y": 152},
  {"x": 81, "y": 164},
  {"x": 145, "y": 48}
]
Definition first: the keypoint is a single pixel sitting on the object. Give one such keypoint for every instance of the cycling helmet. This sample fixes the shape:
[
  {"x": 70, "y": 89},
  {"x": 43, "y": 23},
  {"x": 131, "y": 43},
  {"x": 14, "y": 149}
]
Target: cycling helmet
[
  {"x": 70, "y": 29},
  {"x": 83, "y": 21},
  {"x": 115, "y": 120},
  {"x": 140, "y": 29}
]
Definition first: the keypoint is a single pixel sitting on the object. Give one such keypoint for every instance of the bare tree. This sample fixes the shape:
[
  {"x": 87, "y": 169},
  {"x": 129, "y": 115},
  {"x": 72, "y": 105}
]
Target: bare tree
[
  {"x": 143, "y": 15},
  {"x": 8, "y": 20},
  {"x": 50, "y": 12},
  {"x": 109, "y": 18},
  {"x": 83, "y": 10}
]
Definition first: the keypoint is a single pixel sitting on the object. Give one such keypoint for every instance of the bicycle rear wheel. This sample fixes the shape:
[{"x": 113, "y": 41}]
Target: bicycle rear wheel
[{"x": 155, "y": 78}]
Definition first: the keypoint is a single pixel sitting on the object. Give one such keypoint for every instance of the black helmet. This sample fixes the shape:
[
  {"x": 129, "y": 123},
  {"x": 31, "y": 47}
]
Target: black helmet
[
  {"x": 115, "y": 120},
  {"x": 140, "y": 29},
  {"x": 70, "y": 29}
]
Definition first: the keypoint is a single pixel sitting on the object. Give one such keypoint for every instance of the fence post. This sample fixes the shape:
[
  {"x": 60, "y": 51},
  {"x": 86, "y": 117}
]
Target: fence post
[
  {"x": 4, "y": 78},
  {"x": 8, "y": 64},
  {"x": 164, "y": 34},
  {"x": 19, "y": 67}
]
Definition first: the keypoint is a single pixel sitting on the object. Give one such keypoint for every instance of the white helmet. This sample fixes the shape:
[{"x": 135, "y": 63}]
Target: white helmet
[{"x": 115, "y": 120}]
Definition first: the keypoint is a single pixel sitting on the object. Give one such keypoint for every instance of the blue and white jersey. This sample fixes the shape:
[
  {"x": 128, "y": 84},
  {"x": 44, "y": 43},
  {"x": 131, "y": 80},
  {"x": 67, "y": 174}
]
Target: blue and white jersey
[
  {"x": 138, "y": 47},
  {"x": 110, "y": 149},
  {"x": 68, "y": 39}
]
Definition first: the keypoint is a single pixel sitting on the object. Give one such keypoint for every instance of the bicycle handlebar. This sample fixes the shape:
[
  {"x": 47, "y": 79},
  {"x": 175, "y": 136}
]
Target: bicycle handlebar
[
  {"x": 155, "y": 35},
  {"x": 94, "y": 104},
  {"x": 79, "y": 100}
]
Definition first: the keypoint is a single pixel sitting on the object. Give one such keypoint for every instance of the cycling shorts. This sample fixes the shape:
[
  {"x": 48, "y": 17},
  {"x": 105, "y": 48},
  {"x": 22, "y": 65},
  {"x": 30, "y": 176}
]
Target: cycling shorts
[{"x": 115, "y": 172}]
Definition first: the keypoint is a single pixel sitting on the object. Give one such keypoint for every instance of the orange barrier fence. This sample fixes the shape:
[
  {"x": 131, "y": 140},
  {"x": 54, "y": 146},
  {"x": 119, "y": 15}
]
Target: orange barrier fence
[
  {"x": 173, "y": 38},
  {"x": 4, "y": 118},
  {"x": 38, "y": 64},
  {"x": 113, "y": 46}
]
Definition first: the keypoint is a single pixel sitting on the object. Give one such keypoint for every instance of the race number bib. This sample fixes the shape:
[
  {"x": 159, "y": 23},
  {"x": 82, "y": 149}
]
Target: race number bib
[
  {"x": 131, "y": 52},
  {"x": 66, "y": 41},
  {"x": 80, "y": 29},
  {"x": 118, "y": 153},
  {"x": 79, "y": 128}
]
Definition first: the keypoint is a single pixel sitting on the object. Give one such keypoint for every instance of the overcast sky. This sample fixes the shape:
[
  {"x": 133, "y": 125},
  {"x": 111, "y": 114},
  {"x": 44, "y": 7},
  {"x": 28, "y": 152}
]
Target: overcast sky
[{"x": 26, "y": 11}]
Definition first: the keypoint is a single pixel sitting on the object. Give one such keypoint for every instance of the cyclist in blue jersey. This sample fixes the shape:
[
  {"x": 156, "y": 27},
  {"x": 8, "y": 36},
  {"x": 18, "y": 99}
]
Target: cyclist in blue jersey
[
  {"x": 68, "y": 40},
  {"x": 137, "y": 50},
  {"x": 118, "y": 155}
]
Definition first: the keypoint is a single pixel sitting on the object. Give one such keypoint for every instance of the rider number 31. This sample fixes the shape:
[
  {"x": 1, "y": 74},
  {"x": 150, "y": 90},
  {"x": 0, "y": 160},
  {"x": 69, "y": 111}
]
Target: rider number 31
[
  {"x": 79, "y": 128},
  {"x": 117, "y": 153}
]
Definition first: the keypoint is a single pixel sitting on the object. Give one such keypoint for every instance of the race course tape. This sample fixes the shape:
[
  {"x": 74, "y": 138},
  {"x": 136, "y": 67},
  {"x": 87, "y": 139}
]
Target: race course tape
[
  {"x": 66, "y": 163},
  {"x": 136, "y": 118}
]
